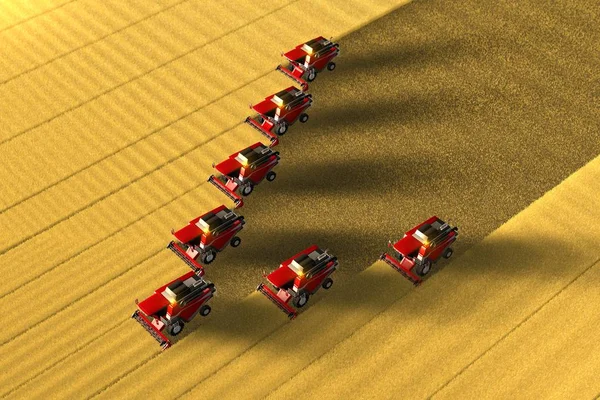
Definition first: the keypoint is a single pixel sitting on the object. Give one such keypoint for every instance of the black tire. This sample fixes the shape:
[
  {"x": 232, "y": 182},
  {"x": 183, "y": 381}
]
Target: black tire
[
  {"x": 327, "y": 283},
  {"x": 246, "y": 190},
  {"x": 311, "y": 76},
  {"x": 208, "y": 256},
  {"x": 448, "y": 253},
  {"x": 424, "y": 268},
  {"x": 205, "y": 310},
  {"x": 331, "y": 66},
  {"x": 175, "y": 328},
  {"x": 301, "y": 300},
  {"x": 282, "y": 128},
  {"x": 271, "y": 176},
  {"x": 303, "y": 118},
  {"x": 235, "y": 241}
]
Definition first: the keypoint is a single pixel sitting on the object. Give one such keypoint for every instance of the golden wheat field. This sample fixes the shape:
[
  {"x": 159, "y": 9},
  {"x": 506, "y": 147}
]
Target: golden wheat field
[{"x": 113, "y": 112}]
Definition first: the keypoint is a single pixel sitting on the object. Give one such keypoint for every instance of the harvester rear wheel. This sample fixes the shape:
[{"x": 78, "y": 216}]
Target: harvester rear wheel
[
  {"x": 282, "y": 128},
  {"x": 271, "y": 176},
  {"x": 303, "y": 118},
  {"x": 175, "y": 328},
  {"x": 209, "y": 257},
  {"x": 246, "y": 190},
  {"x": 235, "y": 242},
  {"x": 301, "y": 300},
  {"x": 327, "y": 283},
  {"x": 205, "y": 310},
  {"x": 424, "y": 268},
  {"x": 448, "y": 253},
  {"x": 331, "y": 66},
  {"x": 312, "y": 74}
]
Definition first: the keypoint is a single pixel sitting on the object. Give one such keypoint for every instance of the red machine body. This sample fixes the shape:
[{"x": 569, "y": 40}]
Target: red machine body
[
  {"x": 276, "y": 113},
  {"x": 308, "y": 59},
  {"x": 173, "y": 305},
  {"x": 244, "y": 170},
  {"x": 207, "y": 235},
  {"x": 298, "y": 278},
  {"x": 420, "y": 247}
]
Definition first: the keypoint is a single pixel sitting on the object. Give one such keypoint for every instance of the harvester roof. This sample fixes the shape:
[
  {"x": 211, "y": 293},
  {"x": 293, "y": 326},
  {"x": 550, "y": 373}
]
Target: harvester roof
[
  {"x": 252, "y": 154},
  {"x": 287, "y": 96},
  {"x": 212, "y": 220},
  {"x": 182, "y": 288},
  {"x": 315, "y": 45},
  {"x": 429, "y": 230}
]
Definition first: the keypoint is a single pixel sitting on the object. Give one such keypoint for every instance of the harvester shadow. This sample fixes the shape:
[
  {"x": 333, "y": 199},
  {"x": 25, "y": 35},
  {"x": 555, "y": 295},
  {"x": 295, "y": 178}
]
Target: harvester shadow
[
  {"x": 395, "y": 110},
  {"x": 399, "y": 54}
]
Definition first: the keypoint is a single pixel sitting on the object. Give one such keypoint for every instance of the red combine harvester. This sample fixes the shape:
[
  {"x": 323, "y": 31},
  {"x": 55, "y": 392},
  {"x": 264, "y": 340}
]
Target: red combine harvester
[
  {"x": 308, "y": 59},
  {"x": 173, "y": 305},
  {"x": 278, "y": 111},
  {"x": 207, "y": 235},
  {"x": 244, "y": 170},
  {"x": 420, "y": 247},
  {"x": 298, "y": 278}
]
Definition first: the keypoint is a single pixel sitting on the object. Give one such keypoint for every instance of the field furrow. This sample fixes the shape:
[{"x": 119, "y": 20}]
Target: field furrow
[
  {"x": 14, "y": 14},
  {"x": 54, "y": 35}
]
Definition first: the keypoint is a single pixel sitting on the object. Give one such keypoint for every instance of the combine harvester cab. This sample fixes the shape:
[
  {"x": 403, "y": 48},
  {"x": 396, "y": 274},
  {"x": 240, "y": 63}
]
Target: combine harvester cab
[
  {"x": 306, "y": 60},
  {"x": 298, "y": 278},
  {"x": 244, "y": 170},
  {"x": 279, "y": 111},
  {"x": 207, "y": 235},
  {"x": 420, "y": 247},
  {"x": 173, "y": 305}
]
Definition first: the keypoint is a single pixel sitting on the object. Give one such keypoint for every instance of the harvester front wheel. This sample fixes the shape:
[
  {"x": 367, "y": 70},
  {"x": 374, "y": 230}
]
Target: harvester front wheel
[
  {"x": 301, "y": 300},
  {"x": 282, "y": 128},
  {"x": 424, "y": 268},
  {"x": 205, "y": 310},
  {"x": 175, "y": 328},
  {"x": 327, "y": 283},
  {"x": 331, "y": 66},
  {"x": 209, "y": 257},
  {"x": 303, "y": 118},
  {"x": 312, "y": 74},
  {"x": 246, "y": 190},
  {"x": 271, "y": 176},
  {"x": 448, "y": 253}
]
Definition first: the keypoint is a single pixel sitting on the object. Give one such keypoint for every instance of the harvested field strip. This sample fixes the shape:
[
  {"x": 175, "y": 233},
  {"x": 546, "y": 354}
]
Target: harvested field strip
[
  {"x": 561, "y": 337},
  {"x": 512, "y": 277}
]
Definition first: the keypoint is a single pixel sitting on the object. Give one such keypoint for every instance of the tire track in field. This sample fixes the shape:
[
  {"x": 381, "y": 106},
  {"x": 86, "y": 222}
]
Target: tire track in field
[
  {"x": 47, "y": 62},
  {"x": 64, "y": 358},
  {"x": 140, "y": 139},
  {"x": 146, "y": 73},
  {"x": 515, "y": 328},
  {"x": 48, "y": 11}
]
